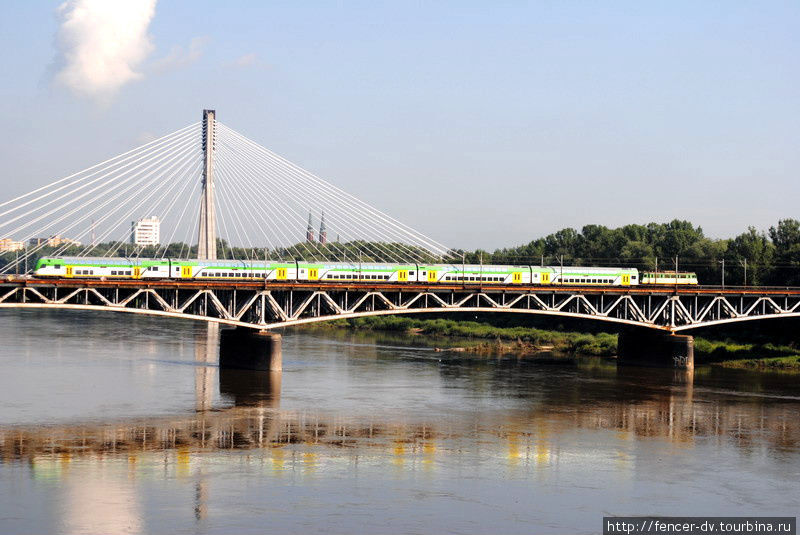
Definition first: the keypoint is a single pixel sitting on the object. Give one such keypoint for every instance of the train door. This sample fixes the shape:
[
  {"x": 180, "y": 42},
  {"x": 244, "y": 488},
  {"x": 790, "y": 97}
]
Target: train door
[
  {"x": 280, "y": 274},
  {"x": 137, "y": 273},
  {"x": 545, "y": 278},
  {"x": 516, "y": 277},
  {"x": 626, "y": 280},
  {"x": 402, "y": 275},
  {"x": 313, "y": 274},
  {"x": 431, "y": 276},
  {"x": 69, "y": 272},
  {"x": 186, "y": 272}
]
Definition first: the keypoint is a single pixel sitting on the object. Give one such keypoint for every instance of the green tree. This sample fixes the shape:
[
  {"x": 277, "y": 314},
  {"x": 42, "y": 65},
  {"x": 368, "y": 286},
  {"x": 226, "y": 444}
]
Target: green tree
[
  {"x": 786, "y": 239},
  {"x": 754, "y": 249}
]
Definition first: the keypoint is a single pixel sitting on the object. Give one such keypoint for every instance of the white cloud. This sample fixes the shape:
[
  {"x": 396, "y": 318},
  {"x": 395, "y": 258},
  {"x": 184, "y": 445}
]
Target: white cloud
[
  {"x": 246, "y": 60},
  {"x": 101, "y": 44},
  {"x": 146, "y": 137},
  {"x": 179, "y": 57}
]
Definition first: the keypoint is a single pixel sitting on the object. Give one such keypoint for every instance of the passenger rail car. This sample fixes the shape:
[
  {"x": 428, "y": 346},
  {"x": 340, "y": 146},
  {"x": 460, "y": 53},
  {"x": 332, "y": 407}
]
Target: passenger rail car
[
  {"x": 668, "y": 277},
  {"x": 372, "y": 272}
]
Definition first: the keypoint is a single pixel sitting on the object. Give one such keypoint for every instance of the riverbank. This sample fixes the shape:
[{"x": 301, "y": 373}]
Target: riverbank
[{"x": 487, "y": 339}]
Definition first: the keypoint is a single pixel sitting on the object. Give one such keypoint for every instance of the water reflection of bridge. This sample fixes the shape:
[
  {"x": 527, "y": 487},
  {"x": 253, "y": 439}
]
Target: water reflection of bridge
[
  {"x": 634, "y": 402},
  {"x": 256, "y": 422}
]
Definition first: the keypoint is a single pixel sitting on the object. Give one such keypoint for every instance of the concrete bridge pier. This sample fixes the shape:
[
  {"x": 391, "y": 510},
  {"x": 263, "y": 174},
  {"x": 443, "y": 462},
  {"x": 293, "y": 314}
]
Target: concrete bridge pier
[
  {"x": 250, "y": 388},
  {"x": 639, "y": 347},
  {"x": 247, "y": 349}
]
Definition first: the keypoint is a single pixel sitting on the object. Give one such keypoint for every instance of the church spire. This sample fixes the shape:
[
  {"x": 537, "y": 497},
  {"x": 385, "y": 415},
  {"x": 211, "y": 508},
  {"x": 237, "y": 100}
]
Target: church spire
[
  {"x": 310, "y": 229},
  {"x": 323, "y": 232}
]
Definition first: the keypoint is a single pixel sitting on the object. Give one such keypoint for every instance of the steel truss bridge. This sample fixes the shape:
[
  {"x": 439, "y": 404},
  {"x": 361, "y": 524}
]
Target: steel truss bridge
[
  {"x": 242, "y": 191},
  {"x": 274, "y": 305}
]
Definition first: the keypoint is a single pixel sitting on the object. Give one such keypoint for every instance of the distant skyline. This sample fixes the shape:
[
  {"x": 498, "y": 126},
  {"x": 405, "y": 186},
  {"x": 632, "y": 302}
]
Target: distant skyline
[{"x": 480, "y": 125}]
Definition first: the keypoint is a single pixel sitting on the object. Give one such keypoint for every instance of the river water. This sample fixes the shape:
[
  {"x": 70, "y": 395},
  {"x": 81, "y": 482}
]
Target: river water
[{"x": 123, "y": 424}]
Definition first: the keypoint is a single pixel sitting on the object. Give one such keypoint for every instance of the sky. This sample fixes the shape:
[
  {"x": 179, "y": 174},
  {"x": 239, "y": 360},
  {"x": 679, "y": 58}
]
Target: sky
[{"x": 480, "y": 124}]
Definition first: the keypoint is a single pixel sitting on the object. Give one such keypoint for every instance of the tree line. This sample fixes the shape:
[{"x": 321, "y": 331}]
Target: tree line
[
  {"x": 753, "y": 257},
  {"x": 764, "y": 258}
]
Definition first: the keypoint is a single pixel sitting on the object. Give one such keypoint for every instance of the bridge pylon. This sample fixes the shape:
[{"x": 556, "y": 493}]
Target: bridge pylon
[{"x": 207, "y": 231}]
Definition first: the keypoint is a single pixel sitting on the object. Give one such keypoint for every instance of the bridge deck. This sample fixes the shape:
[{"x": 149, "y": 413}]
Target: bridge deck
[
  {"x": 414, "y": 287},
  {"x": 266, "y": 305}
]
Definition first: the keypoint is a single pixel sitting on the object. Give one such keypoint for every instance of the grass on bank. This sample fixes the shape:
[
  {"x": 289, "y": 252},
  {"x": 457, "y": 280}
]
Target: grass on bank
[{"x": 528, "y": 340}]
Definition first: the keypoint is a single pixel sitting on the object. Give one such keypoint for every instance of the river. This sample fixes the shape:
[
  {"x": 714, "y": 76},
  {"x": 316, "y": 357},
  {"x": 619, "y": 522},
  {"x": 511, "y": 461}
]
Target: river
[{"x": 114, "y": 423}]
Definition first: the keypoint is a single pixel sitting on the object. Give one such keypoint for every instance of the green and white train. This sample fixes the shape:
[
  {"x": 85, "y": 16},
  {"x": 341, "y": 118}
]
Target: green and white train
[{"x": 171, "y": 268}]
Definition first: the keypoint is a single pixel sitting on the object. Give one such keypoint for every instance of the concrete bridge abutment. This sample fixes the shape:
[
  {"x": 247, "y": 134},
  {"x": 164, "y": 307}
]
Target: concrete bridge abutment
[
  {"x": 639, "y": 347},
  {"x": 247, "y": 349}
]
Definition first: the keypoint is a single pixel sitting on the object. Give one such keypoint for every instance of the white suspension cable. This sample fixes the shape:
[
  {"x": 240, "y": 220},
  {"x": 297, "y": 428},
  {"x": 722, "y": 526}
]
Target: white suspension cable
[
  {"x": 435, "y": 246},
  {"x": 161, "y": 154},
  {"x": 155, "y": 141},
  {"x": 101, "y": 206},
  {"x": 289, "y": 187},
  {"x": 239, "y": 164},
  {"x": 235, "y": 173},
  {"x": 354, "y": 221}
]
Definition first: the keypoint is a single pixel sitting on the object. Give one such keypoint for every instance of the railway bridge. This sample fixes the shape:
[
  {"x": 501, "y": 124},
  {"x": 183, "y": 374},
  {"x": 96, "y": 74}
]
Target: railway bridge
[
  {"x": 650, "y": 316},
  {"x": 196, "y": 191},
  {"x": 272, "y": 305}
]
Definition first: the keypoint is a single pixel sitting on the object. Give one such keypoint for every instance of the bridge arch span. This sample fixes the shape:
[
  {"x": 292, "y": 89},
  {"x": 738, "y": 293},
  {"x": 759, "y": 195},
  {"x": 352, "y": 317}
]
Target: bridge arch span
[{"x": 271, "y": 306}]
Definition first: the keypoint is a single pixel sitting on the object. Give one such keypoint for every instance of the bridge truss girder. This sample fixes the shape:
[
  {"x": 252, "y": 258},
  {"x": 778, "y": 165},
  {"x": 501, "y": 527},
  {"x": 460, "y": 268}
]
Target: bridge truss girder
[{"x": 275, "y": 306}]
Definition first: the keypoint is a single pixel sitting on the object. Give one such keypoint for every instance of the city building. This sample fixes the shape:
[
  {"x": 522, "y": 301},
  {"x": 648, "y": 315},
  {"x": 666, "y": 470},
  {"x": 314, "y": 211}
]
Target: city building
[
  {"x": 146, "y": 231},
  {"x": 7, "y": 245},
  {"x": 52, "y": 241}
]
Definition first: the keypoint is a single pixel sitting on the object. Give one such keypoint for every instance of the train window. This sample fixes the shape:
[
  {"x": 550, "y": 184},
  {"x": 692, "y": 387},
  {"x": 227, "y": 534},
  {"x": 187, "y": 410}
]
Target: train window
[
  {"x": 113, "y": 272},
  {"x": 57, "y": 266},
  {"x": 410, "y": 272}
]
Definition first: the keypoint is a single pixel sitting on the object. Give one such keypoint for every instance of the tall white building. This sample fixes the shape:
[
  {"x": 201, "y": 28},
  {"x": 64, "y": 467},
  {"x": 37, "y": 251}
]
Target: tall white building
[{"x": 146, "y": 231}]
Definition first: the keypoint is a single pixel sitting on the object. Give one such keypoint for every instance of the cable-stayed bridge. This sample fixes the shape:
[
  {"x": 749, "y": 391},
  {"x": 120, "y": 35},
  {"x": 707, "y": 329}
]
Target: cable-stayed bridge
[{"x": 220, "y": 197}]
